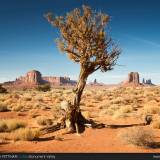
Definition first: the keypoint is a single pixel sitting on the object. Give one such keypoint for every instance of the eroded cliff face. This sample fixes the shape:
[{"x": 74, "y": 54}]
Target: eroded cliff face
[
  {"x": 32, "y": 77},
  {"x": 132, "y": 80},
  {"x": 133, "y": 77}
]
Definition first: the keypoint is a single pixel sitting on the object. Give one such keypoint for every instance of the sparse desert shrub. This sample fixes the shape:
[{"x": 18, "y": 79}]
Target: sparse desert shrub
[
  {"x": 56, "y": 108},
  {"x": 98, "y": 97},
  {"x": 127, "y": 100},
  {"x": 2, "y": 89},
  {"x": 69, "y": 91},
  {"x": 3, "y": 137},
  {"x": 59, "y": 99},
  {"x": 8, "y": 101},
  {"x": 44, "y": 107},
  {"x": 3, "y": 107},
  {"x": 108, "y": 111},
  {"x": 39, "y": 98},
  {"x": 36, "y": 105},
  {"x": 17, "y": 108},
  {"x": 114, "y": 107},
  {"x": 25, "y": 134},
  {"x": 41, "y": 120},
  {"x": 2, "y": 98},
  {"x": 152, "y": 109},
  {"x": 44, "y": 87},
  {"x": 9, "y": 125},
  {"x": 118, "y": 114},
  {"x": 105, "y": 106},
  {"x": 27, "y": 98},
  {"x": 20, "y": 114},
  {"x": 156, "y": 124},
  {"x": 126, "y": 109},
  {"x": 150, "y": 98},
  {"x": 16, "y": 96},
  {"x": 3, "y": 126},
  {"x": 34, "y": 115},
  {"x": 117, "y": 100},
  {"x": 138, "y": 136}
]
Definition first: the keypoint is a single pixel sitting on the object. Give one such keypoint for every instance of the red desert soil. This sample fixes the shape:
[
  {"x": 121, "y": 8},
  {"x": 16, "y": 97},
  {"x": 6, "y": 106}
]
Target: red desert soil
[{"x": 92, "y": 140}]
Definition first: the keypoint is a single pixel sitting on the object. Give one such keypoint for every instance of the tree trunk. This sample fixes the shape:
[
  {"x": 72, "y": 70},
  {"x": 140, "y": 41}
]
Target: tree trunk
[{"x": 75, "y": 117}]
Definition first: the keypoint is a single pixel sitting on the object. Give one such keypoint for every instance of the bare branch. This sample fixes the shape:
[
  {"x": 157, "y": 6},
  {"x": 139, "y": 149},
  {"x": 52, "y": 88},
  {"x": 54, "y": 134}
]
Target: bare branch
[
  {"x": 71, "y": 52},
  {"x": 84, "y": 38}
]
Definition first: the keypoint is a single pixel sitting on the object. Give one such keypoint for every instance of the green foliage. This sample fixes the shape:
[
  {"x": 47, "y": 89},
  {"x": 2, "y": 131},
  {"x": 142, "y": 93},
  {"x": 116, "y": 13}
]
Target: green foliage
[{"x": 44, "y": 87}]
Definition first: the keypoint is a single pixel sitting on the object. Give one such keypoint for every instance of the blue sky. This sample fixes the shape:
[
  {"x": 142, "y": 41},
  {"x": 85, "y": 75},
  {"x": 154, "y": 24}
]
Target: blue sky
[{"x": 27, "y": 40}]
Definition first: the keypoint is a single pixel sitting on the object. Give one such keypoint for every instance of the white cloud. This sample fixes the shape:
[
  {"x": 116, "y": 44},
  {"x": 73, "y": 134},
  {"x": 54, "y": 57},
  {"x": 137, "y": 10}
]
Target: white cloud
[
  {"x": 152, "y": 43},
  {"x": 145, "y": 41}
]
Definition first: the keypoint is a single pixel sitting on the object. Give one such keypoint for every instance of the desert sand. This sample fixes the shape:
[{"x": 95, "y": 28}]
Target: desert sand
[{"x": 121, "y": 108}]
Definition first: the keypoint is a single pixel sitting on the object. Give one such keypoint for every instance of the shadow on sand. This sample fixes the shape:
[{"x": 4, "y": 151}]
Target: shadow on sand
[
  {"x": 42, "y": 139},
  {"x": 124, "y": 126},
  {"x": 154, "y": 145}
]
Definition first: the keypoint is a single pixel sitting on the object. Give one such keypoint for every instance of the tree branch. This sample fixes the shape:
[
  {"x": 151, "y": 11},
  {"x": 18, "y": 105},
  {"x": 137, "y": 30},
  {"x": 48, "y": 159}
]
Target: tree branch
[
  {"x": 97, "y": 68},
  {"x": 73, "y": 53}
]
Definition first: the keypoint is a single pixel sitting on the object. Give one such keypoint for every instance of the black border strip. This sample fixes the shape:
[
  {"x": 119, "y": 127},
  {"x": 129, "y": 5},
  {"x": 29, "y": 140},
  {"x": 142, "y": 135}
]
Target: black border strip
[{"x": 82, "y": 156}]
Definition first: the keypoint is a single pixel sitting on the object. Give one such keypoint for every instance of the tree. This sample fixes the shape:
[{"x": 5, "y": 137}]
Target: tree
[{"x": 85, "y": 41}]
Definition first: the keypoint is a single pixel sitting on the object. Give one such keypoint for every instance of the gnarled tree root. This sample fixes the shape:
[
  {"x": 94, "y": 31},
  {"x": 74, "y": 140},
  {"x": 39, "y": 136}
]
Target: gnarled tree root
[{"x": 82, "y": 123}]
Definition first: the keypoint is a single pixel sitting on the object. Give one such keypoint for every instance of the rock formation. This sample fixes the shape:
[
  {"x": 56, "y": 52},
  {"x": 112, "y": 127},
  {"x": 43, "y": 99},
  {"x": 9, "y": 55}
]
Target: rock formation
[
  {"x": 59, "y": 80},
  {"x": 33, "y": 78},
  {"x": 147, "y": 82},
  {"x": 96, "y": 83},
  {"x": 133, "y": 79}
]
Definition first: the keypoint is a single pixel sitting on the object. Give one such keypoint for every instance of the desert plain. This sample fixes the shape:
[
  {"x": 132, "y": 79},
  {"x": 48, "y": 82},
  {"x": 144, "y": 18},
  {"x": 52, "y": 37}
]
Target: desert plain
[{"x": 24, "y": 113}]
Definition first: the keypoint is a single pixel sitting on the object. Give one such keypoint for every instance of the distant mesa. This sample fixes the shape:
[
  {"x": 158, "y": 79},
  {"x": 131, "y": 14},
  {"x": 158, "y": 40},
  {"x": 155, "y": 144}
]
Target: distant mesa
[
  {"x": 59, "y": 80},
  {"x": 95, "y": 83},
  {"x": 147, "y": 82},
  {"x": 132, "y": 80},
  {"x": 133, "y": 77},
  {"x": 33, "y": 78}
]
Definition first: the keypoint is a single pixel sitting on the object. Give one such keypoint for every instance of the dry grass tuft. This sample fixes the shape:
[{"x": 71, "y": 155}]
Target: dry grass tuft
[
  {"x": 126, "y": 109},
  {"x": 138, "y": 136},
  {"x": 151, "y": 109},
  {"x": 156, "y": 124},
  {"x": 11, "y": 125},
  {"x": 17, "y": 108},
  {"x": 25, "y": 134},
  {"x": 42, "y": 120},
  {"x": 3, "y": 107}
]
